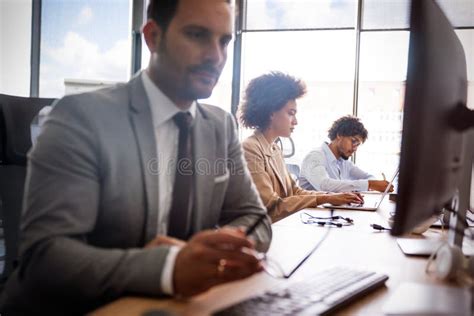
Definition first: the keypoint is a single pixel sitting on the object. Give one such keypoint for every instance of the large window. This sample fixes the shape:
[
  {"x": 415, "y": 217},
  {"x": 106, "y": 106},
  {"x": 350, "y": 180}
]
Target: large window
[
  {"x": 84, "y": 44},
  {"x": 328, "y": 76},
  {"x": 385, "y": 14},
  {"x": 320, "y": 42},
  {"x": 87, "y": 43},
  {"x": 313, "y": 41},
  {"x": 382, "y": 79},
  {"x": 383, "y": 64},
  {"x": 299, "y": 14}
]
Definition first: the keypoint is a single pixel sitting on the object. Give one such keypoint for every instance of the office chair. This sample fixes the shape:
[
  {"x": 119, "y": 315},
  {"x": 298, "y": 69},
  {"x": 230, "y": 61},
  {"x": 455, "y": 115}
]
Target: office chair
[
  {"x": 294, "y": 171},
  {"x": 16, "y": 114},
  {"x": 284, "y": 144}
]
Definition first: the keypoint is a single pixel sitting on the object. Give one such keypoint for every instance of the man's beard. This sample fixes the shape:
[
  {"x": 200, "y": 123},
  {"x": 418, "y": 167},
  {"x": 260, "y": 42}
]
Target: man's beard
[
  {"x": 342, "y": 154},
  {"x": 180, "y": 86},
  {"x": 187, "y": 90},
  {"x": 212, "y": 83}
]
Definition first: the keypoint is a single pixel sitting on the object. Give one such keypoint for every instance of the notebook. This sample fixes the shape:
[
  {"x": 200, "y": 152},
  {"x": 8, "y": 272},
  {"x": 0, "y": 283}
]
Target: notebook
[{"x": 371, "y": 203}]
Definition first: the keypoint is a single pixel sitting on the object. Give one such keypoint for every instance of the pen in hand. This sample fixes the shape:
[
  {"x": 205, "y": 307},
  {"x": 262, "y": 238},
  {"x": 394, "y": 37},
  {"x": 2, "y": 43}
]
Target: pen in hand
[
  {"x": 251, "y": 228},
  {"x": 247, "y": 232}
]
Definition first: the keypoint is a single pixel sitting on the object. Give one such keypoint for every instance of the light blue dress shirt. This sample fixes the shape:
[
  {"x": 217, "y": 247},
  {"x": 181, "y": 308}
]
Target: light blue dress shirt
[{"x": 321, "y": 171}]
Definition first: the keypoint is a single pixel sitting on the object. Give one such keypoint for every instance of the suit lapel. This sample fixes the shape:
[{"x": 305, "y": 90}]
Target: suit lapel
[
  {"x": 204, "y": 158},
  {"x": 267, "y": 151},
  {"x": 140, "y": 117},
  {"x": 277, "y": 173}
]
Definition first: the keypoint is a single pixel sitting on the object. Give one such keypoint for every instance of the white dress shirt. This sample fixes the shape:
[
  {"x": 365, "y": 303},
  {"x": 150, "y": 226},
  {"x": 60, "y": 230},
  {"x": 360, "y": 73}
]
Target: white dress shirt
[
  {"x": 166, "y": 136},
  {"x": 321, "y": 171}
]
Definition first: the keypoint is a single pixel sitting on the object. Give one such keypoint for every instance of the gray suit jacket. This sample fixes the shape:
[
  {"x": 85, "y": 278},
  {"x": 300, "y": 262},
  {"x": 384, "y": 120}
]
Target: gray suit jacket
[{"x": 91, "y": 199}]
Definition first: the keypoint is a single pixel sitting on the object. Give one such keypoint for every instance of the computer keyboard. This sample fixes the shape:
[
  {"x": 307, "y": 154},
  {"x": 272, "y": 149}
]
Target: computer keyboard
[{"x": 319, "y": 294}]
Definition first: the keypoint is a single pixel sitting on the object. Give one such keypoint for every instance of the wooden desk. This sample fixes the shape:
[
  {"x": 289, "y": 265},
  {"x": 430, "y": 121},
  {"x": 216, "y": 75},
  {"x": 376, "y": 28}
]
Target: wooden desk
[{"x": 358, "y": 246}]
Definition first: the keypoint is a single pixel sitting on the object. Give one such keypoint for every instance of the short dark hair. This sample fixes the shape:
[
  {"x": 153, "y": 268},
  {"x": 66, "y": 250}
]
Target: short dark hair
[
  {"x": 163, "y": 11},
  {"x": 348, "y": 126},
  {"x": 267, "y": 94}
]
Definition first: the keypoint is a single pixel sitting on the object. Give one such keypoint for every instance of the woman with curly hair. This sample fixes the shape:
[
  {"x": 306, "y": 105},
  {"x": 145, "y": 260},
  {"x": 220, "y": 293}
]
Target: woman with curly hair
[{"x": 269, "y": 107}]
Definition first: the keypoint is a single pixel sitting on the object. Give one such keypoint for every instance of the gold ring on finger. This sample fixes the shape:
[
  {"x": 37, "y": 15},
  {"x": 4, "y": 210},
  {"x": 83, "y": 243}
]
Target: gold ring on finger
[{"x": 221, "y": 266}]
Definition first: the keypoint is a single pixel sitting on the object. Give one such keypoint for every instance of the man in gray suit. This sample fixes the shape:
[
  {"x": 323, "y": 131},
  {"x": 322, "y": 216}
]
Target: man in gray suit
[{"x": 115, "y": 175}]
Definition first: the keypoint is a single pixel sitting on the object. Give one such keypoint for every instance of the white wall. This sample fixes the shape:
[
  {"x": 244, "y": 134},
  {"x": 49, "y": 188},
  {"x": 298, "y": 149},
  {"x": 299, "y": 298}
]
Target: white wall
[{"x": 15, "y": 43}]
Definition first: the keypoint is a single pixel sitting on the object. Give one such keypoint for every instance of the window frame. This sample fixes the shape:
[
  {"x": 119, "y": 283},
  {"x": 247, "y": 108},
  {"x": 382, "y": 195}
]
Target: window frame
[{"x": 138, "y": 16}]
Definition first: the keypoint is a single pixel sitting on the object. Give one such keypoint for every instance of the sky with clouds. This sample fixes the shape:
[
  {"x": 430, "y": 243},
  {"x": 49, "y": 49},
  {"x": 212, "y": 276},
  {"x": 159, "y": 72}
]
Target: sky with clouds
[
  {"x": 89, "y": 39},
  {"x": 83, "y": 39}
]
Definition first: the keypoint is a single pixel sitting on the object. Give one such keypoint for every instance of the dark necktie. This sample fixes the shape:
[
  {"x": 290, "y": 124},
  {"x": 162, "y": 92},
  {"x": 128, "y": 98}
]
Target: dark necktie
[{"x": 180, "y": 212}]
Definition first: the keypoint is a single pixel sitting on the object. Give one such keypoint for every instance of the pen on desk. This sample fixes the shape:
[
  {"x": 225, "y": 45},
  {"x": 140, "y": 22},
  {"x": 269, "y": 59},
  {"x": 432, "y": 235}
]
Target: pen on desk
[
  {"x": 250, "y": 229},
  {"x": 384, "y": 178}
]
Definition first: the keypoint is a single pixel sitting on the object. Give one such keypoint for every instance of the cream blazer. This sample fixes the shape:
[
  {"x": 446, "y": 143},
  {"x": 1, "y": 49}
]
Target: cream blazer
[{"x": 278, "y": 190}]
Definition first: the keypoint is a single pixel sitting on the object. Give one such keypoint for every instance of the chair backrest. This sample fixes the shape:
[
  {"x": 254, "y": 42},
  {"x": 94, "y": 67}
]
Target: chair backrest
[
  {"x": 294, "y": 170},
  {"x": 16, "y": 114},
  {"x": 287, "y": 146}
]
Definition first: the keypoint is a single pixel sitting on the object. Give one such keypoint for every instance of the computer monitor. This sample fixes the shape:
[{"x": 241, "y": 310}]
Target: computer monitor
[{"x": 434, "y": 157}]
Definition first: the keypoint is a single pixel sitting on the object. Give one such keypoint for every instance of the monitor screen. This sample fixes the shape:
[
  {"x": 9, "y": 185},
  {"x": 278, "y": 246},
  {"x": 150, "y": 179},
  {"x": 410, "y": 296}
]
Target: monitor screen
[{"x": 433, "y": 149}]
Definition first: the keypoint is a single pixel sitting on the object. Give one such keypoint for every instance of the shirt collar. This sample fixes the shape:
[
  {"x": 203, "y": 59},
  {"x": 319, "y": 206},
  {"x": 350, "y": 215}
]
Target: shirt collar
[
  {"x": 268, "y": 149},
  {"x": 328, "y": 153},
  {"x": 162, "y": 108}
]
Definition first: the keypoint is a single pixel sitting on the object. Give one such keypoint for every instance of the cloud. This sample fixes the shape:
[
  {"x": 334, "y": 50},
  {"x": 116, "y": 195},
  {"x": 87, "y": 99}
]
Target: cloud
[
  {"x": 78, "y": 58},
  {"x": 85, "y": 15}
]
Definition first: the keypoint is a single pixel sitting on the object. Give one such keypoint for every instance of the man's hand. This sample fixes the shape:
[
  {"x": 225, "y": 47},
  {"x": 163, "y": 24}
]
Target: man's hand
[
  {"x": 213, "y": 257},
  {"x": 379, "y": 185},
  {"x": 161, "y": 240},
  {"x": 344, "y": 198}
]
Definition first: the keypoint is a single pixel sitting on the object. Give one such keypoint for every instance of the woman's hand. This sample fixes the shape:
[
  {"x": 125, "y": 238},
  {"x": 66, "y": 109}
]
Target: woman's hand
[{"x": 344, "y": 198}]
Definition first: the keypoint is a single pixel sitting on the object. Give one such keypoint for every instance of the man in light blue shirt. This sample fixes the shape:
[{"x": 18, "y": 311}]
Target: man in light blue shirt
[{"x": 328, "y": 167}]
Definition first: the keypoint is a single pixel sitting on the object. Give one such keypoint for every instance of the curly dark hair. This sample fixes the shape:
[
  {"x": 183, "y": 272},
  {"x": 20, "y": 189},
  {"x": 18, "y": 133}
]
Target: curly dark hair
[
  {"x": 267, "y": 94},
  {"x": 348, "y": 126}
]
